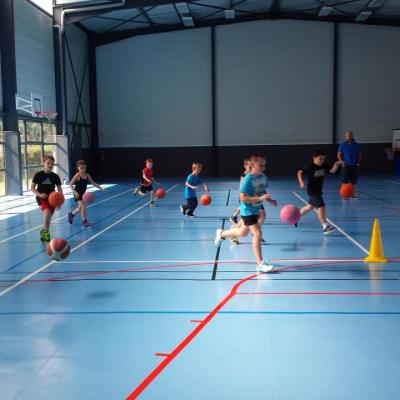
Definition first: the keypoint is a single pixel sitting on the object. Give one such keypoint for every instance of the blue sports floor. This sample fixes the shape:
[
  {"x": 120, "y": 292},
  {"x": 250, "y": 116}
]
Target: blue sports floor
[{"x": 146, "y": 306}]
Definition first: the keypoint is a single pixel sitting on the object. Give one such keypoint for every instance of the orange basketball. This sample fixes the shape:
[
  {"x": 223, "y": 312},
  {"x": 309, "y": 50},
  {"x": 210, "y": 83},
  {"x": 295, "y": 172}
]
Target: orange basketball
[
  {"x": 56, "y": 199},
  {"x": 161, "y": 193},
  {"x": 205, "y": 200},
  {"x": 58, "y": 249},
  {"x": 347, "y": 190}
]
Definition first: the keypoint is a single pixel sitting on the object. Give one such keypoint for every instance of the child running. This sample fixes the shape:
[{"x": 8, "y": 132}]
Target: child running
[
  {"x": 252, "y": 194},
  {"x": 191, "y": 184},
  {"x": 78, "y": 186},
  {"x": 262, "y": 215},
  {"x": 247, "y": 169},
  {"x": 315, "y": 173},
  {"x": 146, "y": 183},
  {"x": 44, "y": 183}
]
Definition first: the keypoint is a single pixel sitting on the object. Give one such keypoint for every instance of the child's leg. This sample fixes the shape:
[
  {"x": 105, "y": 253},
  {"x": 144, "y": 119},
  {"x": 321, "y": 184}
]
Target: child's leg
[
  {"x": 83, "y": 209},
  {"x": 256, "y": 231},
  {"x": 151, "y": 196},
  {"x": 76, "y": 210},
  {"x": 47, "y": 219},
  {"x": 192, "y": 203},
  {"x": 239, "y": 230},
  {"x": 262, "y": 216},
  {"x": 306, "y": 209},
  {"x": 321, "y": 215}
]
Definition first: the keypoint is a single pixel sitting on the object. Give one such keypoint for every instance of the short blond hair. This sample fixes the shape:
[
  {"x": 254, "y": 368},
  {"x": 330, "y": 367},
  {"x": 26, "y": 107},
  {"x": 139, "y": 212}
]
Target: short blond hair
[{"x": 196, "y": 166}]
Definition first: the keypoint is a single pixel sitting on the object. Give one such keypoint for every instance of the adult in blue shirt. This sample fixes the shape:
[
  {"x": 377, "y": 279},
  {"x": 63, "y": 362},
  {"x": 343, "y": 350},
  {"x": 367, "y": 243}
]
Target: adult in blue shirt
[{"x": 350, "y": 153}]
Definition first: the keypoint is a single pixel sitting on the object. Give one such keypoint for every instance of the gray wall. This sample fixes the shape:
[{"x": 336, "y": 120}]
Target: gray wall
[
  {"x": 155, "y": 90},
  {"x": 369, "y": 84},
  {"x": 34, "y": 53},
  {"x": 274, "y": 83},
  {"x": 78, "y": 44}
]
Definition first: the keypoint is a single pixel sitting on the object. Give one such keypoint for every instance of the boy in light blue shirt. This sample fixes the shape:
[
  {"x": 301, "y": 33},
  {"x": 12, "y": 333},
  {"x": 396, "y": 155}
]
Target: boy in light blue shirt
[
  {"x": 252, "y": 194},
  {"x": 192, "y": 182}
]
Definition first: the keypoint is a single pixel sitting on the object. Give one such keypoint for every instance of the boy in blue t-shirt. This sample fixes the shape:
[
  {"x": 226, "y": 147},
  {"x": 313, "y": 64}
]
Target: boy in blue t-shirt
[
  {"x": 192, "y": 182},
  {"x": 252, "y": 194}
]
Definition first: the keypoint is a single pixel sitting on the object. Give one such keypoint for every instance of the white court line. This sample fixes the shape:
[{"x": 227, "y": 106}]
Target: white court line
[
  {"x": 359, "y": 245},
  {"x": 59, "y": 218},
  {"x": 27, "y": 277},
  {"x": 397, "y": 183},
  {"x": 283, "y": 260}
]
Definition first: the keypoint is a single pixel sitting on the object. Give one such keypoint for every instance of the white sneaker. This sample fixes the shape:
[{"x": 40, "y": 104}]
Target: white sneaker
[
  {"x": 218, "y": 238},
  {"x": 264, "y": 267}
]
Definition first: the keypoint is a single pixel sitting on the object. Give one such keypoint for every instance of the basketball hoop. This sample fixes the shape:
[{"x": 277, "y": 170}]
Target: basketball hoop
[
  {"x": 390, "y": 152},
  {"x": 49, "y": 115}
]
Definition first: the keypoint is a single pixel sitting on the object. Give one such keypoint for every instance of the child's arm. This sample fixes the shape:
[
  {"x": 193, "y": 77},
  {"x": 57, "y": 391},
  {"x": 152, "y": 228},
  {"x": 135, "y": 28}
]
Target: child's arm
[
  {"x": 336, "y": 166},
  {"x": 94, "y": 183},
  {"x": 190, "y": 186},
  {"x": 59, "y": 189},
  {"x": 271, "y": 200},
  {"x": 145, "y": 178},
  {"x": 300, "y": 178},
  {"x": 36, "y": 193},
  {"x": 71, "y": 185},
  {"x": 154, "y": 181},
  {"x": 206, "y": 187},
  {"x": 245, "y": 198}
]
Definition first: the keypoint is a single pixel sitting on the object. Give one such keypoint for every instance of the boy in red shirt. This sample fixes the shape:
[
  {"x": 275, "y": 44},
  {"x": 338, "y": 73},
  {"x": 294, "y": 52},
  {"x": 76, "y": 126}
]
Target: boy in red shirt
[{"x": 146, "y": 183}]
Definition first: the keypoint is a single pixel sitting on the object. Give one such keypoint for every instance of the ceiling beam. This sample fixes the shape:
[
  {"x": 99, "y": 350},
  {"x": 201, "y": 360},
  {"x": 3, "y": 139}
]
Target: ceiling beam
[
  {"x": 104, "y": 38},
  {"x": 93, "y": 11}
]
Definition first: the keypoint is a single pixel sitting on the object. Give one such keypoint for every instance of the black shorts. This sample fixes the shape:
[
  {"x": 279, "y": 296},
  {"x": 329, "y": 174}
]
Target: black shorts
[
  {"x": 145, "y": 189},
  {"x": 349, "y": 174},
  {"x": 250, "y": 220},
  {"x": 316, "y": 200},
  {"x": 79, "y": 198}
]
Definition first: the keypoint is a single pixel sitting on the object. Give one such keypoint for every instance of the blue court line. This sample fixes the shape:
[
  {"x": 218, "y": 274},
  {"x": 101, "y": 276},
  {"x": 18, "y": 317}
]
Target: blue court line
[
  {"x": 68, "y": 237},
  {"x": 201, "y": 312}
]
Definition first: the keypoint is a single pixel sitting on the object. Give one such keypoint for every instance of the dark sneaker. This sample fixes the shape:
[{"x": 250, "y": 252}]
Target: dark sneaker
[
  {"x": 295, "y": 225},
  {"x": 329, "y": 229},
  {"x": 233, "y": 219},
  {"x": 263, "y": 241},
  {"x": 183, "y": 211},
  {"x": 70, "y": 217},
  {"x": 152, "y": 204},
  {"x": 86, "y": 224},
  {"x": 135, "y": 192}
]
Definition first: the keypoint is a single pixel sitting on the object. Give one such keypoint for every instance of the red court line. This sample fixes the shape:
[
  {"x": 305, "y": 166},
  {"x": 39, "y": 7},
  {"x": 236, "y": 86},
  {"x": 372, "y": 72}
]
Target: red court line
[
  {"x": 324, "y": 293},
  {"x": 181, "y": 346},
  {"x": 185, "y": 342}
]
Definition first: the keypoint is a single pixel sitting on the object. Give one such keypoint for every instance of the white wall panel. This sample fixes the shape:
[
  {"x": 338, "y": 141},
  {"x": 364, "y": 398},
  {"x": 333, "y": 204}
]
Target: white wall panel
[
  {"x": 274, "y": 82},
  {"x": 369, "y": 81},
  {"x": 155, "y": 90}
]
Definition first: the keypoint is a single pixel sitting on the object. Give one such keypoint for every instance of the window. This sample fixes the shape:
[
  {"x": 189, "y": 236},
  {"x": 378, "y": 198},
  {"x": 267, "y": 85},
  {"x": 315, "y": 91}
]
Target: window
[
  {"x": 37, "y": 139},
  {"x": 2, "y": 161}
]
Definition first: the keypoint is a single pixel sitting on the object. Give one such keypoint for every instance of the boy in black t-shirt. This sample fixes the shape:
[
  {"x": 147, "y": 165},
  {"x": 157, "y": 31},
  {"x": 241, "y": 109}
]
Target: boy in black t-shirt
[
  {"x": 43, "y": 183},
  {"x": 315, "y": 174}
]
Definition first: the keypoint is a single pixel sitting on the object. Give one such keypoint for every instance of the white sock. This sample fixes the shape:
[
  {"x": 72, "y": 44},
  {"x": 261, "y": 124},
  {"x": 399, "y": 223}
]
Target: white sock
[{"x": 325, "y": 225}]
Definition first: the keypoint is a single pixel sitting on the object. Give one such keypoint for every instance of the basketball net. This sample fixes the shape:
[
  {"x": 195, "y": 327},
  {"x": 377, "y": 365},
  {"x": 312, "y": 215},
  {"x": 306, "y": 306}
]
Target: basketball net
[{"x": 49, "y": 115}]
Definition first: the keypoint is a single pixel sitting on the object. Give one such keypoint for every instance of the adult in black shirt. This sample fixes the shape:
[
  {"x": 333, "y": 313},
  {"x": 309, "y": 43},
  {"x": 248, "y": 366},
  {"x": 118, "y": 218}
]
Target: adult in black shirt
[{"x": 315, "y": 174}]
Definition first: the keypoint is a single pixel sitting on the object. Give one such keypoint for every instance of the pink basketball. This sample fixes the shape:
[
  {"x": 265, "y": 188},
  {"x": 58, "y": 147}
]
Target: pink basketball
[
  {"x": 290, "y": 214},
  {"x": 88, "y": 197}
]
